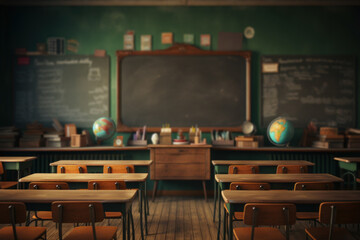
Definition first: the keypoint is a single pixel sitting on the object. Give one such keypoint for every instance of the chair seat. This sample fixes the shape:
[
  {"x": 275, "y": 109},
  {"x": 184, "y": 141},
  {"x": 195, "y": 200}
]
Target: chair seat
[
  {"x": 85, "y": 233},
  {"x": 307, "y": 215},
  {"x": 43, "y": 215},
  {"x": 5, "y": 185},
  {"x": 318, "y": 233},
  {"x": 261, "y": 233},
  {"x": 113, "y": 214},
  {"x": 23, "y": 233},
  {"x": 238, "y": 216}
]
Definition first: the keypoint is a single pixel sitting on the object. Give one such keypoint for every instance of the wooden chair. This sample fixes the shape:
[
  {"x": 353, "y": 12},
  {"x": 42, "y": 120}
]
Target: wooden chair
[
  {"x": 71, "y": 169},
  {"x": 266, "y": 214},
  {"x": 331, "y": 213},
  {"x": 45, "y": 215},
  {"x": 282, "y": 169},
  {"x": 243, "y": 169},
  {"x": 82, "y": 212},
  {"x": 110, "y": 185},
  {"x": 5, "y": 184},
  {"x": 239, "y": 216},
  {"x": 118, "y": 169},
  {"x": 301, "y": 186},
  {"x": 13, "y": 213}
]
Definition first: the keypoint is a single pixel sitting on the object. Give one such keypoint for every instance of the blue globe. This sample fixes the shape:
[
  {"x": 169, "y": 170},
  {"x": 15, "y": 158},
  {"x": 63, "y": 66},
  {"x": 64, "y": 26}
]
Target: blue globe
[
  {"x": 280, "y": 131},
  {"x": 104, "y": 128}
]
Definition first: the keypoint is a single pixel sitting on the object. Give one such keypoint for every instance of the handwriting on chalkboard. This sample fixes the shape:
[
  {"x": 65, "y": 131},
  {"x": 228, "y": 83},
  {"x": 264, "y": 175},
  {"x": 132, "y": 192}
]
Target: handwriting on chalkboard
[
  {"x": 73, "y": 89},
  {"x": 306, "y": 88}
]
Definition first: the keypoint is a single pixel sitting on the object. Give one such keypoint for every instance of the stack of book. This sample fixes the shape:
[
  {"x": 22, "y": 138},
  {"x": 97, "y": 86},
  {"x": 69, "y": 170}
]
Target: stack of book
[
  {"x": 32, "y": 136},
  {"x": 249, "y": 141},
  {"x": 329, "y": 141},
  {"x": 8, "y": 137},
  {"x": 56, "y": 139},
  {"x": 353, "y": 141},
  {"x": 352, "y": 138}
]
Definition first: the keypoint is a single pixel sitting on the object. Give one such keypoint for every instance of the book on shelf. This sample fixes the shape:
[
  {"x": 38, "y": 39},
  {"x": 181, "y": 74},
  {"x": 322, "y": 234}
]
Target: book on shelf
[
  {"x": 327, "y": 144},
  {"x": 334, "y": 138}
]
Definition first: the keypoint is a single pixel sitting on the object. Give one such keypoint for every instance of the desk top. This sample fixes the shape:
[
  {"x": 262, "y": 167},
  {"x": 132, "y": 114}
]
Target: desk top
[
  {"x": 262, "y": 162},
  {"x": 16, "y": 159},
  {"x": 299, "y": 197},
  {"x": 277, "y": 178},
  {"x": 84, "y": 177},
  {"x": 47, "y": 196},
  {"x": 348, "y": 159},
  {"x": 102, "y": 162}
]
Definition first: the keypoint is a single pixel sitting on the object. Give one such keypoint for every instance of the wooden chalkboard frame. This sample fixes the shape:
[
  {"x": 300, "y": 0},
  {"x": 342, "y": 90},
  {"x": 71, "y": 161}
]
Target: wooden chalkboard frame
[{"x": 181, "y": 50}]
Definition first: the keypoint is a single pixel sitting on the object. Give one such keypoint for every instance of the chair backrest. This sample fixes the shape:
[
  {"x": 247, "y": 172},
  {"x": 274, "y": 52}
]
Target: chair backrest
[
  {"x": 339, "y": 212},
  {"x": 9, "y": 208},
  {"x": 291, "y": 169},
  {"x": 314, "y": 186},
  {"x": 71, "y": 169},
  {"x": 119, "y": 169},
  {"x": 249, "y": 186},
  {"x": 1, "y": 169},
  {"x": 77, "y": 212},
  {"x": 12, "y": 213},
  {"x": 243, "y": 169},
  {"x": 48, "y": 185},
  {"x": 106, "y": 185},
  {"x": 257, "y": 214}
]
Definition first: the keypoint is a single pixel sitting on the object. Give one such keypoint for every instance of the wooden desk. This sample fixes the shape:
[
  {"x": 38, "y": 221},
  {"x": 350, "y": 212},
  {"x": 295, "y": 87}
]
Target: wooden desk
[
  {"x": 180, "y": 162},
  {"x": 86, "y": 177},
  {"x": 349, "y": 167},
  {"x": 261, "y": 163},
  {"x": 19, "y": 164},
  {"x": 271, "y": 178},
  {"x": 113, "y": 200},
  {"x": 278, "y": 178},
  {"x": 101, "y": 163},
  {"x": 297, "y": 197}
]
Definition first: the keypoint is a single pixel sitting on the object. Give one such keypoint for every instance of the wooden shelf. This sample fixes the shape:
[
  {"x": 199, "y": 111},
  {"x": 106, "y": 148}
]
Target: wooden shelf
[
  {"x": 287, "y": 149},
  {"x": 74, "y": 149}
]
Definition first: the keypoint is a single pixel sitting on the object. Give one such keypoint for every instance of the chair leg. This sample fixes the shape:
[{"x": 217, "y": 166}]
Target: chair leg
[{"x": 132, "y": 224}]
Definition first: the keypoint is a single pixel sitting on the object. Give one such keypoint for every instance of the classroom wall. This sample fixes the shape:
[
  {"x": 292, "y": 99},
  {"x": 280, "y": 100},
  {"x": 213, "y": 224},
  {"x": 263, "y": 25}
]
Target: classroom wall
[{"x": 278, "y": 30}]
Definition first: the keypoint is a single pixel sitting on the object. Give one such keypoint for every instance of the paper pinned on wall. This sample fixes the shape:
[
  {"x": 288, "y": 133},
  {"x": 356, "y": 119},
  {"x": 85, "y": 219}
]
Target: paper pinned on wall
[
  {"x": 230, "y": 41},
  {"x": 205, "y": 40},
  {"x": 189, "y": 38},
  {"x": 145, "y": 42},
  {"x": 270, "y": 67},
  {"x": 167, "y": 38},
  {"x": 129, "y": 40}
]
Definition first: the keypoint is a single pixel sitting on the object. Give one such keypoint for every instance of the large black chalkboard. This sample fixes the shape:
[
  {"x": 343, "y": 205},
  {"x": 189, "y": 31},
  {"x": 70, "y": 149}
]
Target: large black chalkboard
[
  {"x": 73, "y": 89},
  {"x": 309, "y": 88},
  {"x": 182, "y": 89}
]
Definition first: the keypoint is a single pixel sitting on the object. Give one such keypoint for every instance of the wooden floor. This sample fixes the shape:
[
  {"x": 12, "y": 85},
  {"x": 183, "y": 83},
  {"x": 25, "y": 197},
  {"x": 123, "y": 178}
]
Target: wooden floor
[{"x": 179, "y": 218}]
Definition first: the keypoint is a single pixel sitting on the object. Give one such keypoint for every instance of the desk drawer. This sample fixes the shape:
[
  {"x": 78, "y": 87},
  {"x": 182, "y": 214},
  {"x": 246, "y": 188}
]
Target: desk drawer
[
  {"x": 184, "y": 156},
  {"x": 181, "y": 171}
]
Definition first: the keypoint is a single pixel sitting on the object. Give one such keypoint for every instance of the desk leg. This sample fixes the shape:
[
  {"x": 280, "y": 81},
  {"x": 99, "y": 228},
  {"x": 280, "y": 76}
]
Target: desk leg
[
  {"x": 18, "y": 177},
  {"x": 219, "y": 211},
  {"x": 204, "y": 188},
  {"x": 146, "y": 198},
  {"x": 230, "y": 221},
  {"x": 143, "y": 189},
  {"x": 215, "y": 195},
  {"x": 154, "y": 190},
  {"x": 141, "y": 216},
  {"x": 124, "y": 215}
]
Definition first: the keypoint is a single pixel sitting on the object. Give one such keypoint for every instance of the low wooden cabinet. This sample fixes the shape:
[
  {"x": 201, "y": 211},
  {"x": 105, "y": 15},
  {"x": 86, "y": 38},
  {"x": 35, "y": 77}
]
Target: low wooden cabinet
[{"x": 180, "y": 162}]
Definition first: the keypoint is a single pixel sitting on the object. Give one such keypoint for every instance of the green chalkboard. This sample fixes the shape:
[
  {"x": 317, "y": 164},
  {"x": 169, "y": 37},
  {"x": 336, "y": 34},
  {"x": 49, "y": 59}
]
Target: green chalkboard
[
  {"x": 73, "y": 89},
  {"x": 304, "y": 88},
  {"x": 183, "y": 86}
]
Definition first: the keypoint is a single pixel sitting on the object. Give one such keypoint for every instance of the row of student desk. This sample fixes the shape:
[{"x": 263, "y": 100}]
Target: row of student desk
[
  {"x": 113, "y": 200},
  {"x": 300, "y": 198},
  {"x": 84, "y": 178}
]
